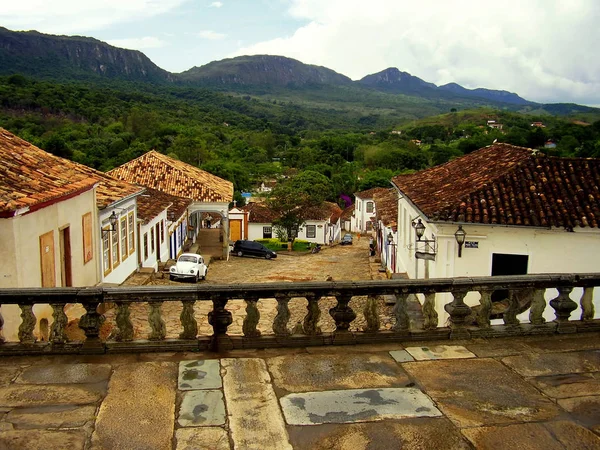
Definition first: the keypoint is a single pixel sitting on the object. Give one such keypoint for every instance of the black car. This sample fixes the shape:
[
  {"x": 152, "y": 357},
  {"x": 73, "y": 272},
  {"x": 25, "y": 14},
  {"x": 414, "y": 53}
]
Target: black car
[
  {"x": 251, "y": 248},
  {"x": 346, "y": 239}
]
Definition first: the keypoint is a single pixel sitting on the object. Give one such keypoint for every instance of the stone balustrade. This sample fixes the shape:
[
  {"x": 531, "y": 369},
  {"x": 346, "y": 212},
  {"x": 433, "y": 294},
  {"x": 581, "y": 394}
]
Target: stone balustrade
[{"x": 464, "y": 321}]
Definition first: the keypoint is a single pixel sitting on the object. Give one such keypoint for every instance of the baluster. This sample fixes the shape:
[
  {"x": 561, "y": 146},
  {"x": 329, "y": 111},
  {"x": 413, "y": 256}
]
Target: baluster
[
  {"x": 587, "y": 304},
  {"x": 220, "y": 319},
  {"x": 538, "y": 305},
  {"x": 157, "y": 324},
  {"x": 27, "y": 325},
  {"x": 485, "y": 309},
  {"x": 430, "y": 315},
  {"x": 563, "y": 307},
  {"x": 311, "y": 320},
  {"x": 188, "y": 320},
  {"x": 341, "y": 313},
  {"x": 458, "y": 312},
  {"x": 283, "y": 316},
  {"x": 58, "y": 334},
  {"x": 252, "y": 317},
  {"x": 125, "y": 332},
  {"x": 90, "y": 323},
  {"x": 510, "y": 315},
  {"x": 400, "y": 313},
  {"x": 1, "y": 326},
  {"x": 371, "y": 313}
]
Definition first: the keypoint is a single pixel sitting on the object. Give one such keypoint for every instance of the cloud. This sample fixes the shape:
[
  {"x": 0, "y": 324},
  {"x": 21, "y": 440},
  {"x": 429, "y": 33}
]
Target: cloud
[
  {"x": 211, "y": 35},
  {"x": 542, "y": 49},
  {"x": 138, "y": 43},
  {"x": 215, "y": 5},
  {"x": 73, "y": 16}
]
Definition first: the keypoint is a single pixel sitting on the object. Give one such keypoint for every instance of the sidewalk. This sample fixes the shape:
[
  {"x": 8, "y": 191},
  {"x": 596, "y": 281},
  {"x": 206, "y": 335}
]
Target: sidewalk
[{"x": 537, "y": 392}]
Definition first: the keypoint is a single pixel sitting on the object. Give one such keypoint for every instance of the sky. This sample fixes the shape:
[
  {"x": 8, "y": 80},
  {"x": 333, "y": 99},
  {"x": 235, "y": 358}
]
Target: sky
[{"x": 544, "y": 50}]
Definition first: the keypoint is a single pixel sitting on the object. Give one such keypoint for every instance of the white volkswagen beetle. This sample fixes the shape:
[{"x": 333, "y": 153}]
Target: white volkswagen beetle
[{"x": 190, "y": 266}]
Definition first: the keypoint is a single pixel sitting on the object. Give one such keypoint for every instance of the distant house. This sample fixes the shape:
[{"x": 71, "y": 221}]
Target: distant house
[
  {"x": 538, "y": 124},
  {"x": 364, "y": 211},
  {"x": 208, "y": 192},
  {"x": 518, "y": 211},
  {"x": 346, "y": 218},
  {"x": 267, "y": 186},
  {"x": 417, "y": 142},
  {"x": 549, "y": 144},
  {"x": 494, "y": 125},
  {"x": 386, "y": 205},
  {"x": 395, "y": 132}
]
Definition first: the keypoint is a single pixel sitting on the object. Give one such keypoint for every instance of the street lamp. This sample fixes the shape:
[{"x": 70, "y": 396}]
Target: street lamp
[
  {"x": 419, "y": 229},
  {"x": 460, "y": 236},
  {"x": 113, "y": 219},
  {"x": 429, "y": 245}
]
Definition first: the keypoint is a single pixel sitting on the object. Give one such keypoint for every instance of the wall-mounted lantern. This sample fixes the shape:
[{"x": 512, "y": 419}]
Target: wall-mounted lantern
[{"x": 460, "y": 236}]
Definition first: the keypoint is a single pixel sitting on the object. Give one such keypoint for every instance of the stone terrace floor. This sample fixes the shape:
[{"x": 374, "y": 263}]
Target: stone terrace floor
[{"x": 525, "y": 393}]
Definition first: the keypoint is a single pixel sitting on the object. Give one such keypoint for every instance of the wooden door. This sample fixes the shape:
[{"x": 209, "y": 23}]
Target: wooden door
[
  {"x": 47, "y": 259},
  {"x": 235, "y": 230},
  {"x": 65, "y": 257}
]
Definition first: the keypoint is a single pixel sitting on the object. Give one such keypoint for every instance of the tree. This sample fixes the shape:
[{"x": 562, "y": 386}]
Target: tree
[{"x": 292, "y": 199}]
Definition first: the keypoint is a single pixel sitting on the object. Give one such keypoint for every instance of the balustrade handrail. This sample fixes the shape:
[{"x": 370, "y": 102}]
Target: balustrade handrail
[{"x": 464, "y": 321}]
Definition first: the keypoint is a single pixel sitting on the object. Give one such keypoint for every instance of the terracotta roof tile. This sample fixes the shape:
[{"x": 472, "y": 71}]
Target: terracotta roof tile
[
  {"x": 369, "y": 193},
  {"x": 386, "y": 207},
  {"x": 157, "y": 171},
  {"x": 509, "y": 185},
  {"x": 152, "y": 202},
  {"x": 259, "y": 213},
  {"x": 347, "y": 213}
]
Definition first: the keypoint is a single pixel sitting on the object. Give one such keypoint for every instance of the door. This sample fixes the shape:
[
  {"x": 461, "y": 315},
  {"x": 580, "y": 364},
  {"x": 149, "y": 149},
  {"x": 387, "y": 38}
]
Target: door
[
  {"x": 47, "y": 259},
  {"x": 506, "y": 264},
  {"x": 235, "y": 230},
  {"x": 65, "y": 257}
]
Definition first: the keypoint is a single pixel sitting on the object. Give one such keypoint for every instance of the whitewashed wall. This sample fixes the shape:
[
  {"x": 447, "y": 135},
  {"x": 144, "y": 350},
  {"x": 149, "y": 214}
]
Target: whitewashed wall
[{"x": 162, "y": 246}]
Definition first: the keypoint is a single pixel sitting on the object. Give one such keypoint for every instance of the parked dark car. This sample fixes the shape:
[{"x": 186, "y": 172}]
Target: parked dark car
[
  {"x": 251, "y": 248},
  {"x": 346, "y": 239}
]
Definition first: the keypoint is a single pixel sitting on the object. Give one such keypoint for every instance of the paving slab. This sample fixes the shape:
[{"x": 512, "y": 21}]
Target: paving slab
[
  {"x": 482, "y": 391},
  {"x": 570, "y": 385},
  {"x": 202, "y": 408},
  {"x": 24, "y": 396},
  {"x": 8, "y": 374},
  {"x": 65, "y": 374},
  {"x": 52, "y": 417},
  {"x": 255, "y": 420},
  {"x": 533, "y": 436},
  {"x": 142, "y": 394},
  {"x": 497, "y": 347},
  {"x": 585, "y": 410},
  {"x": 199, "y": 374},
  {"x": 535, "y": 364},
  {"x": 405, "y": 434},
  {"x": 205, "y": 438},
  {"x": 563, "y": 343},
  {"x": 356, "y": 405},
  {"x": 426, "y": 353},
  {"x": 303, "y": 373},
  {"x": 42, "y": 439},
  {"x": 401, "y": 356}
]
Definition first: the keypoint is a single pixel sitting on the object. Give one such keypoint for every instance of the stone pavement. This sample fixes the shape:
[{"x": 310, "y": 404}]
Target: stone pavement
[{"x": 531, "y": 393}]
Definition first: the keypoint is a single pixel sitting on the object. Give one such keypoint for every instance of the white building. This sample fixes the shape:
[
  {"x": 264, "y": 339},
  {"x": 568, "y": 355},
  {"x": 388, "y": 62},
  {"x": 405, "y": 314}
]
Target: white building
[
  {"x": 521, "y": 212},
  {"x": 386, "y": 235},
  {"x": 364, "y": 210}
]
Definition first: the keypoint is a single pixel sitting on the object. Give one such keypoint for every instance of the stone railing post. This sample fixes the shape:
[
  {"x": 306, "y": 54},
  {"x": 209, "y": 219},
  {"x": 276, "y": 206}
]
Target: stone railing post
[
  {"x": 158, "y": 328},
  {"x": 90, "y": 323},
  {"x": 400, "y": 312},
  {"x": 311, "y": 320},
  {"x": 58, "y": 333},
  {"x": 458, "y": 312},
  {"x": 563, "y": 307},
  {"x": 220, "y": 319},
  {"x": 27, "y": 325},
  {"x": 538, "y": 305},
  {"x": 188, "y": 320},
  {"x": 371, "y": 313},
  {"x": 1, "y": 327},
  {"x": 342, "y": 314},
  {"x": 510, "y": 315},
  {"x": 485, "y": 309},
  {"x": 430, "y": 315},
  {"x": 280, "y": 324},
  {"x": 587, "y": 304},
  {"x": 124, "y": 325},
  {"x": 252, "y": 317}
]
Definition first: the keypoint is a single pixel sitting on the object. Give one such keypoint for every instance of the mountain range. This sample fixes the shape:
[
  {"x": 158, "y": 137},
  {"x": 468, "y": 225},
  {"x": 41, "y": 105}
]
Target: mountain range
[{"x": 67, "y": 58}]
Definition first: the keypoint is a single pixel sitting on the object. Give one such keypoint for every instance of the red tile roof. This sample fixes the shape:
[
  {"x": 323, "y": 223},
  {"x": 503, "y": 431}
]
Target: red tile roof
[
  {"x": 369, "y": 193},
  {"x": 326, "y": 211},
  {"x": 347, "y": 213},
  {"x": 259, "y": 213},
  {"x": 152, "y": 202},
  {"x": 29, "y": 176},
  {"x": 386, "y": 207},
  {"x": 157, "y": 171},
  {"x": 508, "y": 185}
]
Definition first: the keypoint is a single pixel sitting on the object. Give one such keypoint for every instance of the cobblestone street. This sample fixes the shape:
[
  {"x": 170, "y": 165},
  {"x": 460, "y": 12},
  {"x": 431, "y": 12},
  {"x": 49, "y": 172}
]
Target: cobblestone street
[{"x": 351, "y": 262}]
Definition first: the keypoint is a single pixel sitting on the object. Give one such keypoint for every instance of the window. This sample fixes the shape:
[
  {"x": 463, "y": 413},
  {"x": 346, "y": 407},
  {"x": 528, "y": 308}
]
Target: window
[
  {"x": 151, "y": 240},
  {"x": 311, "y": 231},
  {"x": 88, "y": 246},
  {"x": 267, "y": 232},
  {"x": 106, "y": 250},
  {"x": 124, "y": 238},
  {"x": 145, "y": 246},
  {"x": 162, "y": 231},
  {"x": 369, "y": 207},
  {"x": 115, "y": 247},
  {"x": 131, "y": 233}
]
